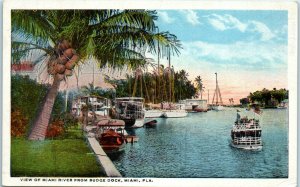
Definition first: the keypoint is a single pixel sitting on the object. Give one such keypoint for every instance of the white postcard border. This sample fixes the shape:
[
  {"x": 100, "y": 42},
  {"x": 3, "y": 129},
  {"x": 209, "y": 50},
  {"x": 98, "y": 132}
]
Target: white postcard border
[{"x": 291, "y": 7}]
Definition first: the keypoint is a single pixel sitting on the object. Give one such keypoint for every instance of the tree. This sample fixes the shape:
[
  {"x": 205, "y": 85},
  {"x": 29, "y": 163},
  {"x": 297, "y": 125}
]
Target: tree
[
  {"x": 269, "y": 98},
  {"x": 66, "y": 38},
  {"x": 244, "y": 101},
  {"x": 91, "y": 90},
  {"x": 199, "y": 84}
]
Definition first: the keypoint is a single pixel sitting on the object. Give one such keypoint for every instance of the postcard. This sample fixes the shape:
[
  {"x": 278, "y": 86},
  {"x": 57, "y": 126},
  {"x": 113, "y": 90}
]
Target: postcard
[{"x": 149, "y": 93}]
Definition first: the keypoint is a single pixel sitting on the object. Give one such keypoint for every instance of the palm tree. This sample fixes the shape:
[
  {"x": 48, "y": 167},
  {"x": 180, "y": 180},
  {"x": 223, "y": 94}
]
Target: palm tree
[
  {"x": 91, "y": 90},
  {"x": 200, "y": 86},
  {"x": 66, "y": 38}
]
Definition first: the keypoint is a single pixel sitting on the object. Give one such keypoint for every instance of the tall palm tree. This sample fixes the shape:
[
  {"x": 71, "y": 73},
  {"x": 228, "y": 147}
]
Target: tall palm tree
[
  {"x": 91, "y": 90},
  {"x": 66, "y": 38},
  {"x": 200, "y": 86}
]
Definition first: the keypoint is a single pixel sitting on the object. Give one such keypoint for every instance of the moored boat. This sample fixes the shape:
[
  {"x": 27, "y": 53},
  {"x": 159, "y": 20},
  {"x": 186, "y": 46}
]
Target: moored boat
[
  {"x": 110, "y": 135},
  {"x": 174, "y": 110},
  {"x": 131, "y": 111},
  {"x": 246, "y": 134},
  {"x": 153, "y": 113},
  {"x": 100, "y": 105},
  {"x": 217, "y": 107},
  {"x": 151, "y": 124},
  {"x": 195, "y": 105}
]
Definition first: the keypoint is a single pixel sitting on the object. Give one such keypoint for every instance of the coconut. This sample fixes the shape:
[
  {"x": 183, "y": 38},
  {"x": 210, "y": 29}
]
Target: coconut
[
  {"x": 68, "y": 53},
  {"x": 59, "y": 68},
  {"x": 72, "y": 62},
  {"x": 70, "y": 65},
  {"x": 62, "y": 59},
  {"x": 63, "y": 45},
  {"x": 68, "y": 72},
  {"x": 60, "y": 76}
]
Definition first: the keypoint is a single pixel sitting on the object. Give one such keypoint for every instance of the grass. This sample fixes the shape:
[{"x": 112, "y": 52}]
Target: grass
[{"x": 69, "y": 157}]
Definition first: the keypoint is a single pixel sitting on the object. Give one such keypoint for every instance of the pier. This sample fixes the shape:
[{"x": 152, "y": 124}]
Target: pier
[{"x": 106, "y": 164}]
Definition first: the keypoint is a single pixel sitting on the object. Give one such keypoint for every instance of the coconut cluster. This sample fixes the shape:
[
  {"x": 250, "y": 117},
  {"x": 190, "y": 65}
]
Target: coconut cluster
[{"x": 64, "y": 62}]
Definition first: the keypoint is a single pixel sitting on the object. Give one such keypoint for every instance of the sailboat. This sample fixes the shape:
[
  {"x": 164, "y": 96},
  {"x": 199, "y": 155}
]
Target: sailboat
[
  {"x": 171, "y": 110},
  {"x": 216, "y": 104}
]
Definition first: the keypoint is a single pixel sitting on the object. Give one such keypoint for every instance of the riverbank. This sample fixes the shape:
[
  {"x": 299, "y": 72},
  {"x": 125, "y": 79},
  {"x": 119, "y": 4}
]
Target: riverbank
[{"x": 69, "y": 157}]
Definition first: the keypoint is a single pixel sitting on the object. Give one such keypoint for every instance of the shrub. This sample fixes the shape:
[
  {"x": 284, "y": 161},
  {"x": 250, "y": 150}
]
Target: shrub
[
  {"x": 18, "y": 123},
  {"x": 27, "y": 97},
  {"x": 55, "y": 129}
]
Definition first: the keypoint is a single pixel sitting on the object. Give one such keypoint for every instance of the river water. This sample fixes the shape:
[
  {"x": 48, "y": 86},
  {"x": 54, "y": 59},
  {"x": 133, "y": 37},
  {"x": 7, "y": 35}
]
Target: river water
[{"x": 198, "y": 146}]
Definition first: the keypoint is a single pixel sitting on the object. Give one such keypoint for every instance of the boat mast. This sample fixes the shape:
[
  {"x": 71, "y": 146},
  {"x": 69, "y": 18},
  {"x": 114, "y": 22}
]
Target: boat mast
[
  {"x": 217, "y": 93},
  {"x": 217, "y": 89},
  {"x": 158, "y": 78},
  {"x": 208, "y": 97},
  {"x": 170, "y": 86}
]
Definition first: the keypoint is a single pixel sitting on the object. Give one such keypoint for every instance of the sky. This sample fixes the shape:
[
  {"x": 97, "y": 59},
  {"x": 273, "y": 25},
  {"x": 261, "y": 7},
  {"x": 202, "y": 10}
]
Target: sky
[{"x": 248, "y": 49}]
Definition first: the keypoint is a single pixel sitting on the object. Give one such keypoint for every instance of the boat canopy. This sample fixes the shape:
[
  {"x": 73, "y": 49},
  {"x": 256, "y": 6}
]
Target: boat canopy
[
  {"x": 141, "y": 99},
  {"x": 111, "y": 123}
]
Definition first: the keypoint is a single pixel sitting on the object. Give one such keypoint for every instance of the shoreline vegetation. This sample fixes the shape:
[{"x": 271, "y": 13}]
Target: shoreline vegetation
[
  {"x": 67, "y": 157},
  {"x": 63, "y": 153}
]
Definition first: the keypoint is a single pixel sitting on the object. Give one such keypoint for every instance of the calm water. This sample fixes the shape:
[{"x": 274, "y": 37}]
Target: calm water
[{"x": 198, "y": 146}]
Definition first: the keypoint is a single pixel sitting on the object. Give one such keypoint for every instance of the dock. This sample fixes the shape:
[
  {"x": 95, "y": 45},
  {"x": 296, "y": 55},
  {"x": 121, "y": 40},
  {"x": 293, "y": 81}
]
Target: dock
[{"x": 106, "y": 164}]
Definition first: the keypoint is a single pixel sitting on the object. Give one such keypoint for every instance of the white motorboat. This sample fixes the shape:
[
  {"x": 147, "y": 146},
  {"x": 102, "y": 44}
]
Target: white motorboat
[
  {"x": 218, "y": 107},
  {"x": 174, "y": 110},
  {"x": 153, "y": 113},
  {"x": 174, "y": 113}
]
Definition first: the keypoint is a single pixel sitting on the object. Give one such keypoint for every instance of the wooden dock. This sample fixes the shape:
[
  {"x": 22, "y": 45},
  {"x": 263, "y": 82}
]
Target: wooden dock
[{"x": 105, "y": 162}]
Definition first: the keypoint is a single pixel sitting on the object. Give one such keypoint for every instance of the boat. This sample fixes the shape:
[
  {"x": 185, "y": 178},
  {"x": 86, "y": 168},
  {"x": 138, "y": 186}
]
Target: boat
[
  {"x": 151, "y": 124},
  {"x": 246, "y": 134},
  {"x": 101, "y": 105},
  {"x": 217, "y": 104},
  {"x": 217, "y": 107},
  {"x": 110, "y": 135},
  {"x": 195, "y": 105},
  {"x": 284, "y": 104},
  {"x": 153, "y": 113},
  {"x": 131, "y": 111},
  {"x": 171, "y": 110}
]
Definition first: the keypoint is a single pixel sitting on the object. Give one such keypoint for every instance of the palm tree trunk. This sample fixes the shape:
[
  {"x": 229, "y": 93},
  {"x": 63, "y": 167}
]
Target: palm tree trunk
[{"x": 40, "y": 126}]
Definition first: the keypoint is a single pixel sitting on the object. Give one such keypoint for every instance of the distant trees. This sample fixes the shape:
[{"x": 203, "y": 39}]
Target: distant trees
[
  {"x": 200, "y": 86},
  {"x": 147, "y": 87},
  {"x": 244, "y": 101},
  {"x": 268, "y": 98}
]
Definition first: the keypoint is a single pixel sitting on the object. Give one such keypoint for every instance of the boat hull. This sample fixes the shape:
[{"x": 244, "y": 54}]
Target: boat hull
[
  {"x": 112, "y": 149},
  {"x": 218, "y": 108},
  {"x": 138, "y": 123},
  {"x": 247, "y": 147},
  {"x": 153, "y": 114},
  {"x": 175, "y": 114}
]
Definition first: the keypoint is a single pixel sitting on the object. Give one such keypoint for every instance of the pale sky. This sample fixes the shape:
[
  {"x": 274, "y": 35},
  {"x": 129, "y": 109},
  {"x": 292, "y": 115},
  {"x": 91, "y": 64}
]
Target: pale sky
[{"x": 248, "y": 49}]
